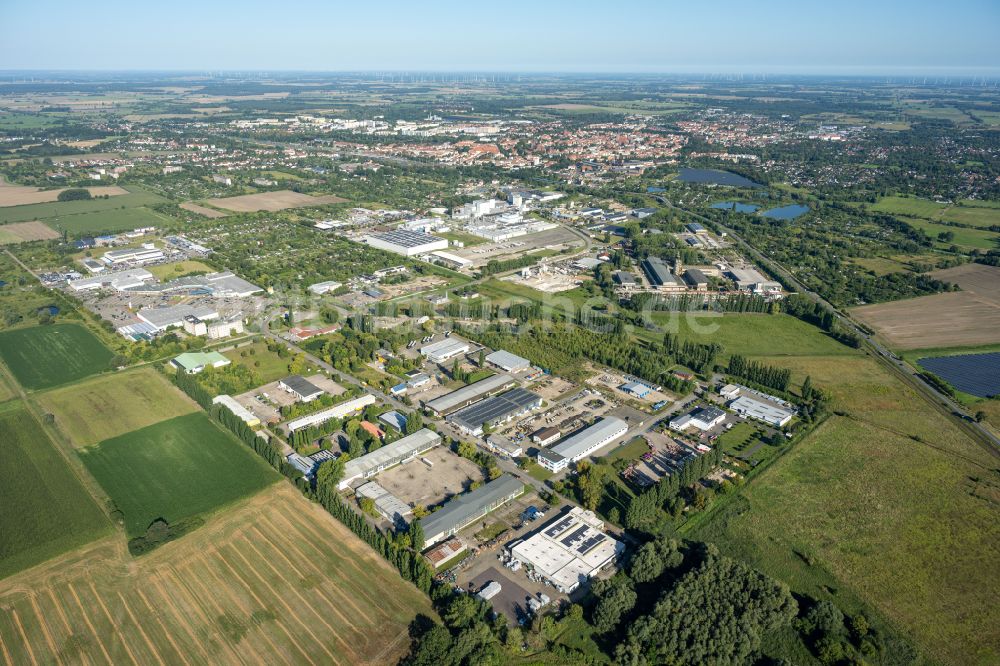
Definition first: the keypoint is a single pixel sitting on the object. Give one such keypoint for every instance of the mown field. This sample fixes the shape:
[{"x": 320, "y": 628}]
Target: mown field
[
  {"x": 182, "y": 467},
  {"x": 178, "y": 268},
  {"x": 44, "y": 509},
  {"x": 45, "y": 356},
  {"x": 112, "y": 405},
  {"x": 274, "y": 580},
  {"x": 751, "y": 334},
  {"x": 109, "y": 221},
  {"x": 262, "y": 360},
  {"x": 889, "y": 506},
  {"x": 974, "y": 213},
  {"x": 135, "y": 198},
  {"x": 969, "y": 238}
]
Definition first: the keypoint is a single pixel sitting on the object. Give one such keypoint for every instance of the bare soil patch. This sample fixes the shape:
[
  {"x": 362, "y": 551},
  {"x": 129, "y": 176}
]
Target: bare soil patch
[
  {"x": 20, "y": 195},
  {"x": 273, "y": 201},
  {"x": 202, "y": 210},
  {"x": 21, "y": 232}
]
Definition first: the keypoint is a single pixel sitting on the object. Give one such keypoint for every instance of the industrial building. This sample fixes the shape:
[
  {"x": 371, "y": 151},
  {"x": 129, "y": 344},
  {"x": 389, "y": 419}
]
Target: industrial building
[
  {"x": 321, "y": 288},
  {"x": 394, "y": 419},
  {"x": 303, "y": 389},
  {"x": 444, "y": 350},
  {"x": 569, "y": 550},
  {"x": 391, "y": 507},
  {"x": 219, "y": 285},
  {"x": 546, "y": 436},
  {"x": 163, "y": 318},
  {"x": 467, "y": 395},
  {"x": 635, "y": 389},
  {"x": 236, "y": 408},
  {"x": 504, "y": 446},
  {"x": 135, "y": 256},
  {"x": 120, "y": 280},
  {"x": 451, "y": 260},
  {"x": 660, "y": 276},
  {"x": 703, "y": 418},
  {"x": 389, "y": 455},
  {"x": 407, "y": 243},
  {"x": 507, "y": 362},
  {"x": 465, "y": 509},
  {"x": 696, "y": 278},
  {"x": 335, "y": 412},
  {"x": 578, "y": 446},
  {"x": 761, "y": 411},
  {"x": 194, "y": 362},
  {"x": 495, "y": 410}
]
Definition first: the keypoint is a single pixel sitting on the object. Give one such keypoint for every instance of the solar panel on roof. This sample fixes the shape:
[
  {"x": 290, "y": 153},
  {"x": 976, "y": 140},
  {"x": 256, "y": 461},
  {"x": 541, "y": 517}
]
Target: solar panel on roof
[
  {"x": 574, "y": 535},
  {"x": 553, "y": 531},
  {"x": 590, "y": 543}
]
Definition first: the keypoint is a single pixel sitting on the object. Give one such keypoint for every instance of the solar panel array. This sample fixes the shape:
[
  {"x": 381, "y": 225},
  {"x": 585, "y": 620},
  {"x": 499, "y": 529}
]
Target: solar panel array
[
  {"x": 976, "y": 374},
  {"x": 590, "y": 543},
  {"x": 558, "y": 528},
  {"x": 491, "y": 409}
]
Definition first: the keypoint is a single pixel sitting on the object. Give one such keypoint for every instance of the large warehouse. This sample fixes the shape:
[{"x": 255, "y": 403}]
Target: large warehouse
[
  {"x": 467, "y": 395},
  {"x": 335, "y": 412},
  {"x": 578, "y": 446},
  {"x": 569, "y": 549},
  {"x": 495, "y": 410},
  {"x": 407, "y": 243},
  {"x": 466, "y": 509},
  {"x": 444, "y": 350},
  {"x": 508, "y": 362},
  {"x": 755, "y": 409},
  {"x": 389, "y": 455}
]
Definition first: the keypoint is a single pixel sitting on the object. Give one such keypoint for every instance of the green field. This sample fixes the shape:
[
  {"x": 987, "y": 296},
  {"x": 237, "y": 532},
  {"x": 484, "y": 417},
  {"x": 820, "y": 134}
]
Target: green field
[
  {"x": 969, "y": 238},
  {"x": 60, "y": 209},
  {"x": 175, "y": 469},
  {"x": 749, "y": 334},
  {"x": 262, "y": 360},
  {"x": 112, "y": 405},
  {"x": 45, "y": 509},
  {"x": 973, "y": 213},
  {"x": 41, "y": 357},
  {"x": 109, "y": 221},
  {"x": 888, "y": 506},
  {"x": 178, "y": 269}
]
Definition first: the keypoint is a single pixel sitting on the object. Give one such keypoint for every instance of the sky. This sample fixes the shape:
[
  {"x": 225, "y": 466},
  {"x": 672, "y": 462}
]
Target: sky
[{"x": 751, "y": 36}]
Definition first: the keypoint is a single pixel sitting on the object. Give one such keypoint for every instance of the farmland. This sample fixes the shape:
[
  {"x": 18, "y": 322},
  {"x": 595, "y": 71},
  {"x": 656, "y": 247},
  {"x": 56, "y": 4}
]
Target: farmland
[
  {"x": 202, "y": 210},
  {"x": 19, "y": 232},
  {"x": 968, "y": 238},
  {"x": 45, "y": 509},
  {"x": 135, "y": 198},
  {"x": 272, "y": 201},
  {"x": 179, "y": 468},
  {"x": 106, "y": 221},
  {"x": 41, "y": 357},
  {"x": 274, "y": 580},
  {"x": 888, "y": 505},
  {"x": 972, "y": 315},
  {"x": 20, "y": 195},
  {"x": 112, "y": 405},
  {"x": 973, "y": 213}
]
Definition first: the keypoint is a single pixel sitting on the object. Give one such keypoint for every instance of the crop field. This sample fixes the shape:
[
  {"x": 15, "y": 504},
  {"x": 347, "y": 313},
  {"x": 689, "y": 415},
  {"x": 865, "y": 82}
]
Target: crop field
[
  {"x": 21, "y": 195},
  {"x": 41, "y": 357},
  {"x": 274, "y": 580},
  {"x": 106, "y": 221},
  {"x": 273, "y": 201},
  {"x": 42, "y": 211},
  {"x": 112, "y": 405},
  {"x": 888, "y": 505},
  {"x": 179, "y": 468},
  {"x": 45, "y": 510},
  {"x": 202, "y": 210},
  {"x": 750, "y": 334},
  {"x": 20, "y": 232},
  {"x": 957, "y": 319},
  {"x": 973, "y": 213}
]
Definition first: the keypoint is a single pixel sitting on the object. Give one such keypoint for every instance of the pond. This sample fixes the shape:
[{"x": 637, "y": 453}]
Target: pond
[
  {"x": 53, "y": 310},
  {"x": 737, "y": 206},
  {"x": 786, "y": 212},
  {"x": 714, "y": 176},
  {"x": 654, "y": 190}
]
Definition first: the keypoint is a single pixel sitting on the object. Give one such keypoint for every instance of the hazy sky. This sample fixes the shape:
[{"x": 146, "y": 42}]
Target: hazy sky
[{"x": 874, "y": 36}]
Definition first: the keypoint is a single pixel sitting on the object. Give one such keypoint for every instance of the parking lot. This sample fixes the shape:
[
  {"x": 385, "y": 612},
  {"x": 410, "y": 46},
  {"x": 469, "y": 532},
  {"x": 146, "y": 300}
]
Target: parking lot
[{"x": 418, "y": 484}]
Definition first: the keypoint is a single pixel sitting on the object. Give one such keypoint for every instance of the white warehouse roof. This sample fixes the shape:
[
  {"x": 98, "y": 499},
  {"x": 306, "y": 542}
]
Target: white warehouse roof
[
  {"x": 335, "y": 412},
  {"x": 389, "y": 455},
  {"x": 603, "y": 431},
  {"x": 507, "y": 361}
]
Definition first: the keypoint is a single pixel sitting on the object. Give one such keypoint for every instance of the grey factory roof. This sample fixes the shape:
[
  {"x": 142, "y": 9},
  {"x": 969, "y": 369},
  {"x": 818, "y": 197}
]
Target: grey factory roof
[
  {"x": 174, "y": 315},
  {"x": 466, "y": 394},
  {"x": 695, "y": 276},
  {"x": 498, "y": 408},
  {"x": 507, "y": 361},
  {"x": 225, "y": 283},
  {"x": 576, "y": 444},
  {"x": 658, "y": 272},
  {"x": 390, "y": 454},
  {"x": 462, "y": 510},
  {"x": 301, "y": 386},
  {"x": 405, "y": 238}
]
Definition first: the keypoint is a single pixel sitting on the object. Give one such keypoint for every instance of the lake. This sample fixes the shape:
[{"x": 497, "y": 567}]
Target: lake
[
  {"x": 737, "y": 206},
  {"x": 786, "y": 212},
  {"x": 716, "y": 177}
]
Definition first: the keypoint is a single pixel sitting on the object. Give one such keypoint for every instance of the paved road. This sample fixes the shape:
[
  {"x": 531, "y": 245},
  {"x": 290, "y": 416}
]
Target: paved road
[{"x": 943, "y": 403}]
